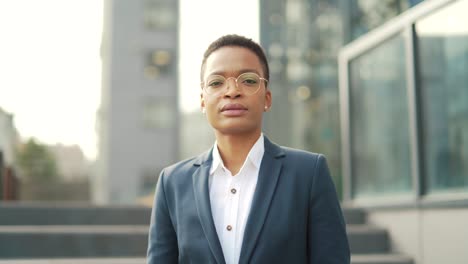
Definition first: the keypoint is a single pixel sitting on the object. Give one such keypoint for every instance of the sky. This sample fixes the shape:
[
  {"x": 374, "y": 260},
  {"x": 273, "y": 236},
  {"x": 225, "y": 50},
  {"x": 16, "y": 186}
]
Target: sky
[
  {"x": 239, "y": 17},
  {"x": 50, "y": 68}
]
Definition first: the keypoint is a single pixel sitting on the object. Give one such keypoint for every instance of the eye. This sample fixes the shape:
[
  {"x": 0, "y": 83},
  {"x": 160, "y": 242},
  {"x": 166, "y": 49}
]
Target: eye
[
  {"x": 249, "y": 80},
  {"x": 215, "y": 82}
]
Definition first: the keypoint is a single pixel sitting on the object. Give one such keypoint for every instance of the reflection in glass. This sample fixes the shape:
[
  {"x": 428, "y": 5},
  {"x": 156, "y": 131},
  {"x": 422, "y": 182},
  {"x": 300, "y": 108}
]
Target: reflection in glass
[
  {"x": 302, "y": 39},
  {"x": 366, "y": 15},
  {"x": 311, "y": 79},
  {"x": 443, "y": 56},
  {"x": 379, "y": 121}
]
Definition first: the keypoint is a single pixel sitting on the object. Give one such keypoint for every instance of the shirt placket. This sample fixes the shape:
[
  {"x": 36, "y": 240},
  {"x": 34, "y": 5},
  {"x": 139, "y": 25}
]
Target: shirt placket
[{"x": 231, "y": 217}]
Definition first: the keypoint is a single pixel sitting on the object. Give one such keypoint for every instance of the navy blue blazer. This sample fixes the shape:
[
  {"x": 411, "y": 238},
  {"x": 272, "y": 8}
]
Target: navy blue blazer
[{"x": 295, "y": 215}]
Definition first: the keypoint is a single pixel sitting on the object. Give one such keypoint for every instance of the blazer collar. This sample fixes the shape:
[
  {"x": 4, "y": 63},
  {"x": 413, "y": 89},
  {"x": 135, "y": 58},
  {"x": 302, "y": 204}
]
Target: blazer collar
[
  {"x": 270, "y": 148},
  {"x": 273, "y": 150},
  {"x": 202, "y": 202},
  {"x": 205, "y": 157},
  {"x": 267, "y": 179}
]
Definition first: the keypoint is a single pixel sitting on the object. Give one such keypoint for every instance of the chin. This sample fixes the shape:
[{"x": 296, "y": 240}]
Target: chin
[
  {"x": 236, "y": 129},
  {"x": 236, "y": 125}
]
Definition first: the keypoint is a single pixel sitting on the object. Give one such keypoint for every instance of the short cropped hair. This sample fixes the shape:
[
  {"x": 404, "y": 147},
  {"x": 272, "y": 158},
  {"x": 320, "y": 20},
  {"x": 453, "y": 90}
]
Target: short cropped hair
[{"x": 237, "y": 41}]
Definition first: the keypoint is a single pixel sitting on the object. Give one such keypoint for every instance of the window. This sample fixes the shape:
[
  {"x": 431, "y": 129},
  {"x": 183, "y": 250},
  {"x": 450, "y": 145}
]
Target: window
[
  {"x": 443, "y": 56},
  {"x": 158, "y": 63},
  {"x": 160, "y": 15},
  {"x": 396, "y": 85},
  {"x": 379, "y": 121}
]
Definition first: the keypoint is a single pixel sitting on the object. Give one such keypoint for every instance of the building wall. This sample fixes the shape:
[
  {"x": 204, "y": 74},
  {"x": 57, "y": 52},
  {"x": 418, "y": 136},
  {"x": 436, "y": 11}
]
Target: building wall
[
  {"x": 197, "y": 135},
  {"x": 430, "y": 236},
  {"x": 138, "y": 120}
]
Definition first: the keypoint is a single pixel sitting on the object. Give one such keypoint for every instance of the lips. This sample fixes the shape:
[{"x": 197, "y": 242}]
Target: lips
[{"x": 233, "y": 109}]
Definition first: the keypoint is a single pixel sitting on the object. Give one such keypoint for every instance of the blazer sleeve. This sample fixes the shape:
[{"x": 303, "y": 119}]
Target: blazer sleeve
[
  {"x": 327, "y": 239},
  {"x": 162, "y": 242}
]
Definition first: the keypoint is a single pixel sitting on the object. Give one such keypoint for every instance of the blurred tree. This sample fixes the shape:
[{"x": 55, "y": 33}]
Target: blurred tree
[{"x": 36, "y": 163}]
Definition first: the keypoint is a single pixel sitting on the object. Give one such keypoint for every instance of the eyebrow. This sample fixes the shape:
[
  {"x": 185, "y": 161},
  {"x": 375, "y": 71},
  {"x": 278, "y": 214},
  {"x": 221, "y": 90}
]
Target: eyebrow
[{"x": 238, "y": 72}]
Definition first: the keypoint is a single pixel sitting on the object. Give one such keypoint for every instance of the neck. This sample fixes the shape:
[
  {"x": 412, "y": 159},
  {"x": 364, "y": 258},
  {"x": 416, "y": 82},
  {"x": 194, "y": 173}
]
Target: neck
[{"x": 234, "y": 149}]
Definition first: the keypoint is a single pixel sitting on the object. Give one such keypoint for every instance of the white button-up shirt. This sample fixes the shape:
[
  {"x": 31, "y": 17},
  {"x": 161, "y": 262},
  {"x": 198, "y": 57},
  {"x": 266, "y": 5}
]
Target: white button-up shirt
[{"x": 231, "y": 198}]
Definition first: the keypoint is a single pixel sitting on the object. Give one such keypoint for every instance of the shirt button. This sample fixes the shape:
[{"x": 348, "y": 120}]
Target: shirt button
[
  {"x": 233, "y": 190},
  {"x": 229, "y": 228}
]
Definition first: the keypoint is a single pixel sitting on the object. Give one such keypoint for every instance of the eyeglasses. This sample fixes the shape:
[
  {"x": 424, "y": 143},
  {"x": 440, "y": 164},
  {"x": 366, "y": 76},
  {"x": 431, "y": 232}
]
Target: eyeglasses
[{"x": 248, "y": 82}]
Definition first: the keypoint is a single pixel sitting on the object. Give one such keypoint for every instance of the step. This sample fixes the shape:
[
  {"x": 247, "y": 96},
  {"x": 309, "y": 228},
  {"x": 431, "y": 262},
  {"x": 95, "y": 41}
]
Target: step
[
  {"x": 30, "y": 213},
  {"x": 73, "y": 241},
  {"x": 367, "y": 239},
  {"x": 354, "y": 216},
  {"x": 380, "y": 259},
  {"x": 78, "y": 260}
]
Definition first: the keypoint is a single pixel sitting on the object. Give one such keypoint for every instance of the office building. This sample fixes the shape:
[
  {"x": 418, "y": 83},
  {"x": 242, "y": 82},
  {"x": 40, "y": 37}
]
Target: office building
[
  {"x": 404, "y": 129},
  {"x": 138, "y": 120},
  {"x": 302, "y": 39},
  {"x": 380, "y": 87}
]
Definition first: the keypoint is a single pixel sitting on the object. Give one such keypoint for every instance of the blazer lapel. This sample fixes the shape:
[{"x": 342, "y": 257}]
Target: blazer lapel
[
  {"x": 202, "y": 201},
  {"x": 267, "y": 179}
]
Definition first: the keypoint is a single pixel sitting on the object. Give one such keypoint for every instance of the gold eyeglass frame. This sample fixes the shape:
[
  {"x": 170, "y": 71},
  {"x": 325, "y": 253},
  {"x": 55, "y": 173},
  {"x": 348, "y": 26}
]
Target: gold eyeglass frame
[{"x": 225, "y": 86}]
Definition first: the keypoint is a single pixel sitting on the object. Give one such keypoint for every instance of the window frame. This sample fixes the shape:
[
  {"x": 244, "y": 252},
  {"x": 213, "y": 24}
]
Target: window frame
[{"x": 405, "y": 23}]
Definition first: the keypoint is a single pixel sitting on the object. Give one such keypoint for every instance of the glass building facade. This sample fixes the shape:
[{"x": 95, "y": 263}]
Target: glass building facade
[
  {"x": 302, "y": 39},
  {"x": 379, "y": 125},
  {"x": 405, "y": 112},
  {"x": 443, "y": 67}
]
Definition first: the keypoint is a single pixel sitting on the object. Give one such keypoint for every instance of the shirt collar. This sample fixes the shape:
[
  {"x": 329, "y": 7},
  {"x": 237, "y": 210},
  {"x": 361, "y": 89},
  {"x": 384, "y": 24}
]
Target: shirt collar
[{"x": 255, "y": 154}]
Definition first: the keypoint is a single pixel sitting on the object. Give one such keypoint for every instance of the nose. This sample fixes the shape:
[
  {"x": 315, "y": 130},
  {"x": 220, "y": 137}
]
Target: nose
[{"x": 232, "y": 89}]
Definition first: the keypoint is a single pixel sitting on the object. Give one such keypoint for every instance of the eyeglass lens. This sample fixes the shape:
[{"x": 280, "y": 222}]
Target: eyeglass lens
[{"x": 248, "y": 82}]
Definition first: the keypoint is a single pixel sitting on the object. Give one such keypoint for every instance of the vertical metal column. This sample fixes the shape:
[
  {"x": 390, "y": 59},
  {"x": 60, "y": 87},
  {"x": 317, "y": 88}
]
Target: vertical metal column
[
  {"x": 345, "y": 115},
  {"x": 411, "y": 85}
]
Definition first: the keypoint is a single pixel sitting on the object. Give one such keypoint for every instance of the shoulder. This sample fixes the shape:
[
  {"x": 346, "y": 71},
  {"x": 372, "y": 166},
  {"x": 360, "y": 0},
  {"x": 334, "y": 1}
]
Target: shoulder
[
  {"x": 185, "y": 167},
  {"x": 295, "y": 157},
  {"x": 298, "y": 156},
  {"x": 302, "y": 154},
  {"x": 180, "y": 166},
  {"x": 311, "y": 168}
]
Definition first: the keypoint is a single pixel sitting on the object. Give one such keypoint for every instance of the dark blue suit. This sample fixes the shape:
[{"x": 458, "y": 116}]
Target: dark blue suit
[{"x": 295, "y": 215}]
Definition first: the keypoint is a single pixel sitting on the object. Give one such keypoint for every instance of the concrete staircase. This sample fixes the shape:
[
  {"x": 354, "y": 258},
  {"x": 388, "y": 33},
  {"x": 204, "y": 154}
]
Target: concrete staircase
[
  {"x": 369, "y": 244},
  {"x": 48, "y": 231},
  {"x": 64, "y": 234}
]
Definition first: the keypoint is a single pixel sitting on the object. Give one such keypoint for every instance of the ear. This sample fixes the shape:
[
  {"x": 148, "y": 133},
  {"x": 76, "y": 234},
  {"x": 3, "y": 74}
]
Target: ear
[
  {"x": 268, "y": 98},
  {"x": 202, "y": 101}
]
